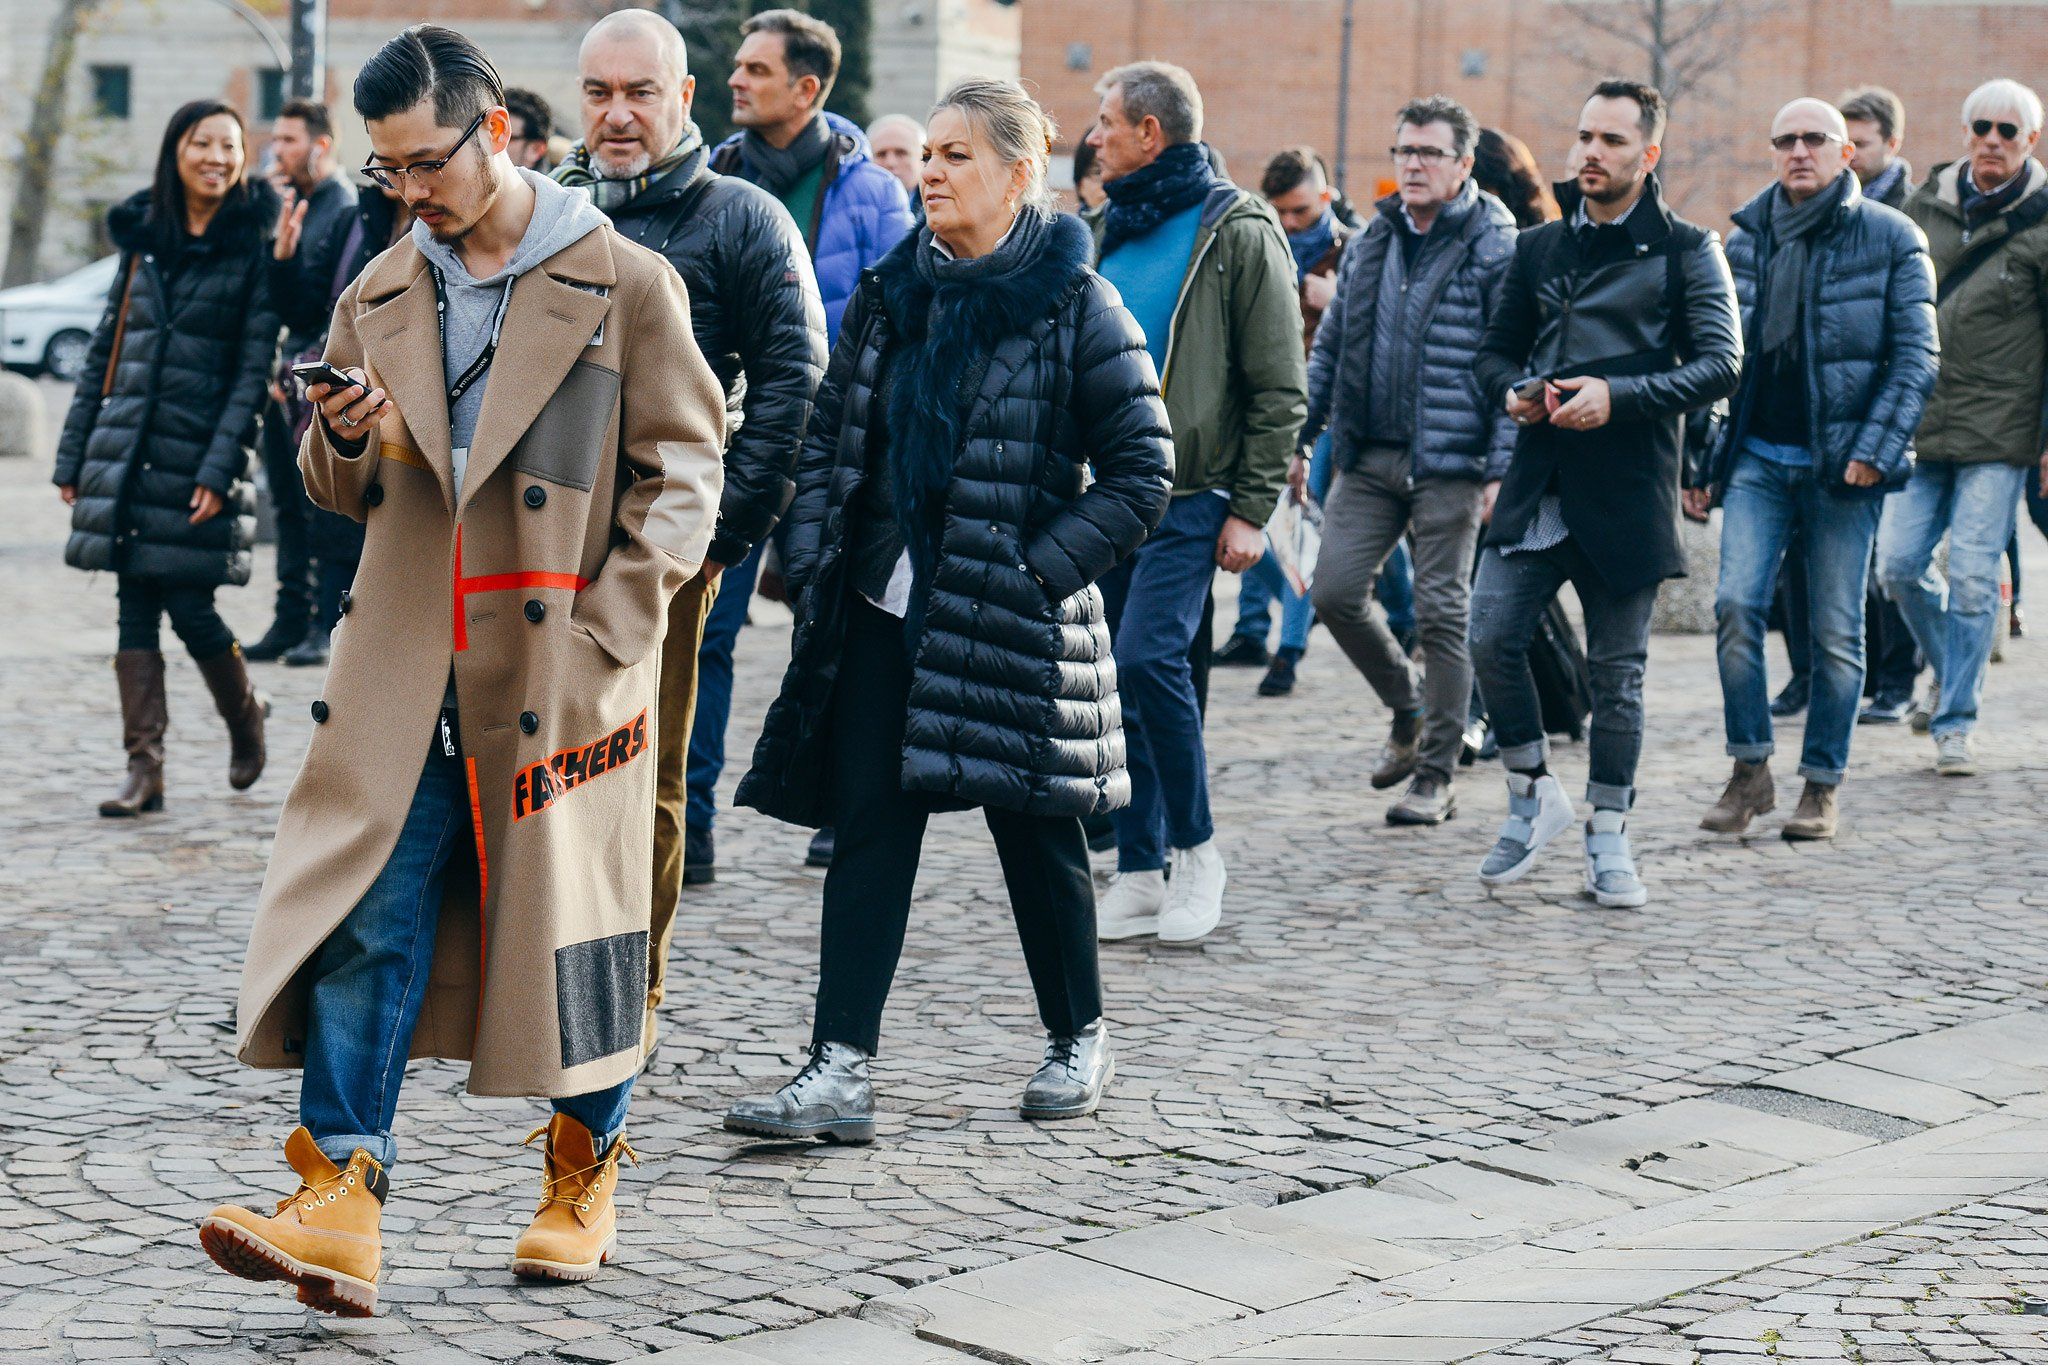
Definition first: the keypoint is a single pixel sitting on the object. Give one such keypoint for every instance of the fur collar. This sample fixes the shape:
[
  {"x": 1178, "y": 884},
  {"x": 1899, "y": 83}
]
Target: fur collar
[{"x": 991, "y": 309}]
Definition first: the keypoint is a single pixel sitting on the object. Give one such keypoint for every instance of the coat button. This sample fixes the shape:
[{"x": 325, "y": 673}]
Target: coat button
[
  {"x": 373, "y": 495},
  {"x": 319, "y": 712},
  {"x": 535, "y": 495},
  {"x": 535, "y": 609},
  {"x": 348, "y": 600},
  {"x": 528, "y": 722}
]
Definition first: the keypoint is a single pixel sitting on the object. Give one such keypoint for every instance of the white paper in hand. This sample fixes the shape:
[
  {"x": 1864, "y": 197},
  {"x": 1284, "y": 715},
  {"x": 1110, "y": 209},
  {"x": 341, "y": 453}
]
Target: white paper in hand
[{"x": 1295, "y": 534}]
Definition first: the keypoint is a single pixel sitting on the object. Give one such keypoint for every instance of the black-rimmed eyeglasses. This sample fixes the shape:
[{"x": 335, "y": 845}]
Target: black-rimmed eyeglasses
[
  {"x": 2009, "y": 131},
  {"x": 1813, "y": 142},
  {"x": 1428, "y": 156},
  {"x": 391, "y": 177}
]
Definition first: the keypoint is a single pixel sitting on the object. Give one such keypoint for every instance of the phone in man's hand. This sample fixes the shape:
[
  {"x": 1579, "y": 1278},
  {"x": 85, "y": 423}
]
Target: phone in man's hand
[
  {"x": 1529, "y": 390},
  {"x": 320, "y": 372}
]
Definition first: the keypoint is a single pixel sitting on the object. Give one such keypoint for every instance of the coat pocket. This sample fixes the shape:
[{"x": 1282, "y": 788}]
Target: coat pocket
[{"x": 567, "y": 440}]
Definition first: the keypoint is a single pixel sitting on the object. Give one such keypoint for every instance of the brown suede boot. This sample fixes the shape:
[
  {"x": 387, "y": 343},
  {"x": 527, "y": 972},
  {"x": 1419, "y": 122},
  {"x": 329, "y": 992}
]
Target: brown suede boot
[
  {"x": 575, "y": 1228},
  {"x": 325, "y": 1239},
  {"x": 144, "y": 713},
  {"x": 1816, "y": 817},
  {"x": 1748, "y": 795},
  {"x": 243, "y": 708}
]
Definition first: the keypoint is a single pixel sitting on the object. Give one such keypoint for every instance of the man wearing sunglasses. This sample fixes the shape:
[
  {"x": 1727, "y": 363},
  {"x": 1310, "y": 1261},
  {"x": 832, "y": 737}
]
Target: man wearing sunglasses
[
  {"x": 1981, "y": 440},
  {"x": 532, "y": 439},
  {"x": 1833, "y": 382}
]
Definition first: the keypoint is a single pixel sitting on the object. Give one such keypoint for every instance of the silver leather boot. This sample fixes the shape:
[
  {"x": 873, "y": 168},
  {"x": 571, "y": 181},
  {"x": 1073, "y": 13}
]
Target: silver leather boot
[
  {"x": 1068, "y": 1084},
  {"x": 830, "y": 1098}
]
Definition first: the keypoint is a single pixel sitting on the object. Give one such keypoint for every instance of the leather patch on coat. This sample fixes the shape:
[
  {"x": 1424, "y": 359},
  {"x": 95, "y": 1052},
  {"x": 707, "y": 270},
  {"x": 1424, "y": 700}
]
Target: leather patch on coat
[
  {"x": 601, "y": 996},
  {"x": 566, "y": 439},
  {"x": 536, "y": 787}
]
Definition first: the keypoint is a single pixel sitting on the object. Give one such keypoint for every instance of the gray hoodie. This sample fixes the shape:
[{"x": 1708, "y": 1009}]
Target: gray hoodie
[{"x": 476, "y": 308}]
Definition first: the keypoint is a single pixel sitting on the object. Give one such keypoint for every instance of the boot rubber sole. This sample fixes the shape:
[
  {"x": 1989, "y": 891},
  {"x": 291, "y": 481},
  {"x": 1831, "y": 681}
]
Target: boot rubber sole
[
  {"x": 1708, "y": 822},
  {"x": 239, "y": 1252},
  {"x": 1400, "y": 816},
  {"x": 1142, "y": 927},
  {"x": 1043, "y": 1112},
  {"x": 854, "y": 1132},
  {"x": 542, "y": 1269},
  {"x": 116, "y": 811}
]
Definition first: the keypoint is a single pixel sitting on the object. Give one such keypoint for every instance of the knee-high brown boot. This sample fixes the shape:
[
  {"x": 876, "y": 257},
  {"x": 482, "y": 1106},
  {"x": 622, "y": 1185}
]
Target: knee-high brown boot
[
  {"x": 140, "y": 675},
  {"x": 243, "y": 708}
]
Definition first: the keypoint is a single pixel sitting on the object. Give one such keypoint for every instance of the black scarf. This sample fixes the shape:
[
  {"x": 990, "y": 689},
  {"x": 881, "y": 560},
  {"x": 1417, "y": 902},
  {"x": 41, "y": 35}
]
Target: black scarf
[
  {"x": 1981, "y": 206},
  {"x": 1792, "y": 227},
  {"x": 1178, "y": 179},
  {"x": 780, "y": 168}
]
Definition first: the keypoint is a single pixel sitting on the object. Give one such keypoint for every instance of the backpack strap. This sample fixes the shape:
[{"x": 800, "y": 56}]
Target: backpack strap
[{"x": 2027, "y": 213}]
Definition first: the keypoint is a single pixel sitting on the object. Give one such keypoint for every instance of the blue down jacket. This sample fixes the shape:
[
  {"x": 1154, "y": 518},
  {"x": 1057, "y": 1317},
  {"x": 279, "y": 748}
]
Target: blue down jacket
[{"x": 1871, "y": 347}]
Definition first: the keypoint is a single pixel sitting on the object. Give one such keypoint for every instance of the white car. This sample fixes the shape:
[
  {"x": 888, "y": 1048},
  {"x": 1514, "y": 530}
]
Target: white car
[{"x": 47, "y": 328}]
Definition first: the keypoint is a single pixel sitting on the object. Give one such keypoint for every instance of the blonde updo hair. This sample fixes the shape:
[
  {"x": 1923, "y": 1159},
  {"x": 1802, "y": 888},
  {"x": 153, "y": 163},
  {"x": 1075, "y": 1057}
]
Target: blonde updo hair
[{"x": 1016, "y": 127}]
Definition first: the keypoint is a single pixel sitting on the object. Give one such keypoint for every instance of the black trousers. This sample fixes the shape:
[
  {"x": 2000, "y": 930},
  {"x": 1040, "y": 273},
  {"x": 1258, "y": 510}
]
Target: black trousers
[
  {"x": 293, "y": 512},
  {"x": 142, "y": 604},
  {"x": 880, "y": 834}
]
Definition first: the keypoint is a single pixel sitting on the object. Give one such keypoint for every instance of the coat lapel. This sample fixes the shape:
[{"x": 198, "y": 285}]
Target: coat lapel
[
  {"x": 548, "y": 323},
  {"x": 402, "y": 337}
]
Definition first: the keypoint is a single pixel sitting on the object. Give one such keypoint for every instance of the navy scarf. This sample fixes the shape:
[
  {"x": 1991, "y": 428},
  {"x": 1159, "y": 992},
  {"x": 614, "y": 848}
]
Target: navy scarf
[
  {"x": 1312, "y": 244},
  {"x": 1180, "y": 178}
]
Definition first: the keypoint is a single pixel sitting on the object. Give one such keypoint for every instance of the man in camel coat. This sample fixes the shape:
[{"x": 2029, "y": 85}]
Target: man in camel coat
[{"x": 462, "y": 867}]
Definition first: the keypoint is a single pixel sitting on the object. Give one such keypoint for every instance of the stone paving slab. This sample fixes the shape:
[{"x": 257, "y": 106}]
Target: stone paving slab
[
  {"x": 1886, "y": 1092},
  {"x": 1212, "y": 1262},
  {"x": 854, "y": 1342}
]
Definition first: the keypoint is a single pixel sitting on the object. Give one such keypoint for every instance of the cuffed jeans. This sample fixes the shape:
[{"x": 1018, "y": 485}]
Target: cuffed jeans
[
  {"x": 1773, "y": 508},
  {"x": 1953, "y": 620},
  {"x": 369, "y": 983},
  {"x": 1157, "y": 595},
  {"x": 1511, "y": 594},
  {"x": 1370, "y": 508},
  {"x": 714, "y": 688}
]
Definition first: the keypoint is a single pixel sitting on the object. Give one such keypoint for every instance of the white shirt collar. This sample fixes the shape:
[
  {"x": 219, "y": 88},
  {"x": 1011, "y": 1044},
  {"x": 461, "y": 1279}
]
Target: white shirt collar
[
  {"x": 939, "y": 245},
  {"x": 1580, "y": 218}
]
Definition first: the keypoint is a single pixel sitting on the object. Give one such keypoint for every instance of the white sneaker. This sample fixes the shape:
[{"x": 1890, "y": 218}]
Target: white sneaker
[
  {"x": 1538, "y": 811},
  {"x": 1194, "y": 895},
  {"x": 1130, "y": 908}
]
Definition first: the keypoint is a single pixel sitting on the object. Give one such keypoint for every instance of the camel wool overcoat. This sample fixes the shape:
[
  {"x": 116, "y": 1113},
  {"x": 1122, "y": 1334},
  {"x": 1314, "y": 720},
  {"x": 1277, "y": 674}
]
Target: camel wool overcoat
[{"x": 543, "y": 583}]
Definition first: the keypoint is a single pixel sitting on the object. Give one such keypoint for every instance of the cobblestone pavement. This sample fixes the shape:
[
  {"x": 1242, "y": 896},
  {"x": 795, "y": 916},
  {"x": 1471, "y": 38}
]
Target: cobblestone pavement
[{"x": 1364, "y": 1010}]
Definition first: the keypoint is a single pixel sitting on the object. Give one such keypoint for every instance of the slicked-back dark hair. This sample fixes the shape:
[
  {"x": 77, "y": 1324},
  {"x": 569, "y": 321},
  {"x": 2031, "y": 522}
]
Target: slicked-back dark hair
[
  {"x": 1648, "y": 101},
  {"x": 1289, "y": 168},
  {"x": 167, "y": 189},
  {"x": 429, "y": 61},
  {"x": 312, "y": 113},
  {"x": 1875, "y": 104},
  {"x": 810, "y": 46}
]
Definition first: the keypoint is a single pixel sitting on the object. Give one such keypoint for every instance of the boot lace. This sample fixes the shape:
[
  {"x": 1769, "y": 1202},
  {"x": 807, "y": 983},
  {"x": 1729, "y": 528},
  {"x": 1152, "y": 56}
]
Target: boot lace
[
  {"x": 312, "y": 1194},
  {"x": 562, "y": 1190},
  {"x": 1061, "y": 1050}
]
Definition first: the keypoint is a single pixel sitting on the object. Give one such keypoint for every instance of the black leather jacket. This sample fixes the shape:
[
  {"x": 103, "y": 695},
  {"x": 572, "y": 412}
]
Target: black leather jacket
[
  {"x": 1599, "y": 303},
  {"x": 755, "y": 310}
]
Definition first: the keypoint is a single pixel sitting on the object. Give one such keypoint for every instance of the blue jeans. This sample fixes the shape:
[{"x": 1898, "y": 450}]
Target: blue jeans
[
  {"x": 370, "y": 981},
  {"x": 1953, "y": 622},
  {"x": 1264, "y": 581},
  {"x": 1771, "y": 502},
  {"x": 1156, "y": 599},
  {"x": 714, "y": 688}
]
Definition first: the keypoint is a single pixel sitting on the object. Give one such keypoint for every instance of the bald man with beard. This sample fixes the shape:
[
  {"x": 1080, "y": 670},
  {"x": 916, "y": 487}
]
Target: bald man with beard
[
  {"x": 757, "y": 317},
  {"x": 1820, "y": 430}
]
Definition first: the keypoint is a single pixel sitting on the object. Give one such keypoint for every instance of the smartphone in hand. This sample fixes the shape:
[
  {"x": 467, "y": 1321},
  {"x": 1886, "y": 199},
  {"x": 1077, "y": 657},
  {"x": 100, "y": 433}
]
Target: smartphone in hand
[{"x": 320, "y": 372}]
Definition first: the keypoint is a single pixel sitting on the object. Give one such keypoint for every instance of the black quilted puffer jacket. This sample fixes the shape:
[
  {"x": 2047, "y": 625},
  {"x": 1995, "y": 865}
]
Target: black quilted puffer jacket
[
  {"x": 195, "y": 355},
  {"x": 1013, "y": 698}
]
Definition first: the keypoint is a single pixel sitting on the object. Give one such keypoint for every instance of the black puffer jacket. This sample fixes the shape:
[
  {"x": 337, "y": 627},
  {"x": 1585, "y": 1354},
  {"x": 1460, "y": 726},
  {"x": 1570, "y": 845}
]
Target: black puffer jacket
[
  {"x": 195, "y": 355},
  {"x": 1013, "y": 689},
  {"x": 755, "y": 310}
]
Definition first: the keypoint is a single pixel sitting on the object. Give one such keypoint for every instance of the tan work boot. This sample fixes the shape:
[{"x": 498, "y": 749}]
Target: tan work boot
[
  {"x": 325, "y": 1239},
  {"x": 575, "y": 1228},
  {"x": 1748, "y": 795},
  {"x": 1815, "y": 818}
]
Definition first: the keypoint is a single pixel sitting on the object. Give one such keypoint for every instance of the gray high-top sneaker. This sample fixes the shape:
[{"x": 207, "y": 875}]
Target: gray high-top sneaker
[
  {"x": 830, "y": 1098},
  {"x": 1610, "y": 869},
  {"x": 1069, "y": 1082},
  {"x": 1537, "y": 811}
]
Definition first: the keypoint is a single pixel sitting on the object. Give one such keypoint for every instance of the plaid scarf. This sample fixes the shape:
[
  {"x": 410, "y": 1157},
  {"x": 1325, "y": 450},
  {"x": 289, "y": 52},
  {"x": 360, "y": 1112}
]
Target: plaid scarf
[{"x": 577, "y": 171}]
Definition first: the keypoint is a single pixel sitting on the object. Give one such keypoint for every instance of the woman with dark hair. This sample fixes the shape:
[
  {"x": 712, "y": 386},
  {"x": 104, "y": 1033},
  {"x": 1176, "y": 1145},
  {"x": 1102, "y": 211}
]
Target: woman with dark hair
[
  {"x": 1088, "y": 191},
  {"x": 950, "y": 649},
  {"x": 154, "y": 459},
  {"x": 1506, "y": 169}
]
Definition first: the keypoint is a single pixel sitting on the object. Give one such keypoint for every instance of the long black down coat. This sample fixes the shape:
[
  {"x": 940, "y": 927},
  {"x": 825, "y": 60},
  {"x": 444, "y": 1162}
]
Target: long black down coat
[
  {"x": 1013, "y": 689},
  {"x": 195, "y": 357}
]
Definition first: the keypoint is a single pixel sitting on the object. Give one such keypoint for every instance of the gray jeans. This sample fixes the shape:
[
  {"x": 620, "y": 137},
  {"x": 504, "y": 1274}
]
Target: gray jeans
[{"x": 1370, "y": 507}]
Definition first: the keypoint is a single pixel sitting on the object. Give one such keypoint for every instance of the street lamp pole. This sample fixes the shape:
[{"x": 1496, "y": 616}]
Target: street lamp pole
[
  {"x": 1344, "y": 97},
  {"x": 308, "y": 79}
]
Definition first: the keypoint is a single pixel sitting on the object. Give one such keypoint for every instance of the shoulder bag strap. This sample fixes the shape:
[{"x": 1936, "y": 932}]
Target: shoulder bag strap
[
  {"x": 2029, "y": 211},
  {"x": 120, "y": 329}
]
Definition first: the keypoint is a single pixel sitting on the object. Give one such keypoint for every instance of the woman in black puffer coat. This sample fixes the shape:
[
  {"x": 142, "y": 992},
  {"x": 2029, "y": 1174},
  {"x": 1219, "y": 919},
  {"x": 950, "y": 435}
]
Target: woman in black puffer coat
[
  {"x": 154, "y": 458},
  {"x": 950, "y": 649}
]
